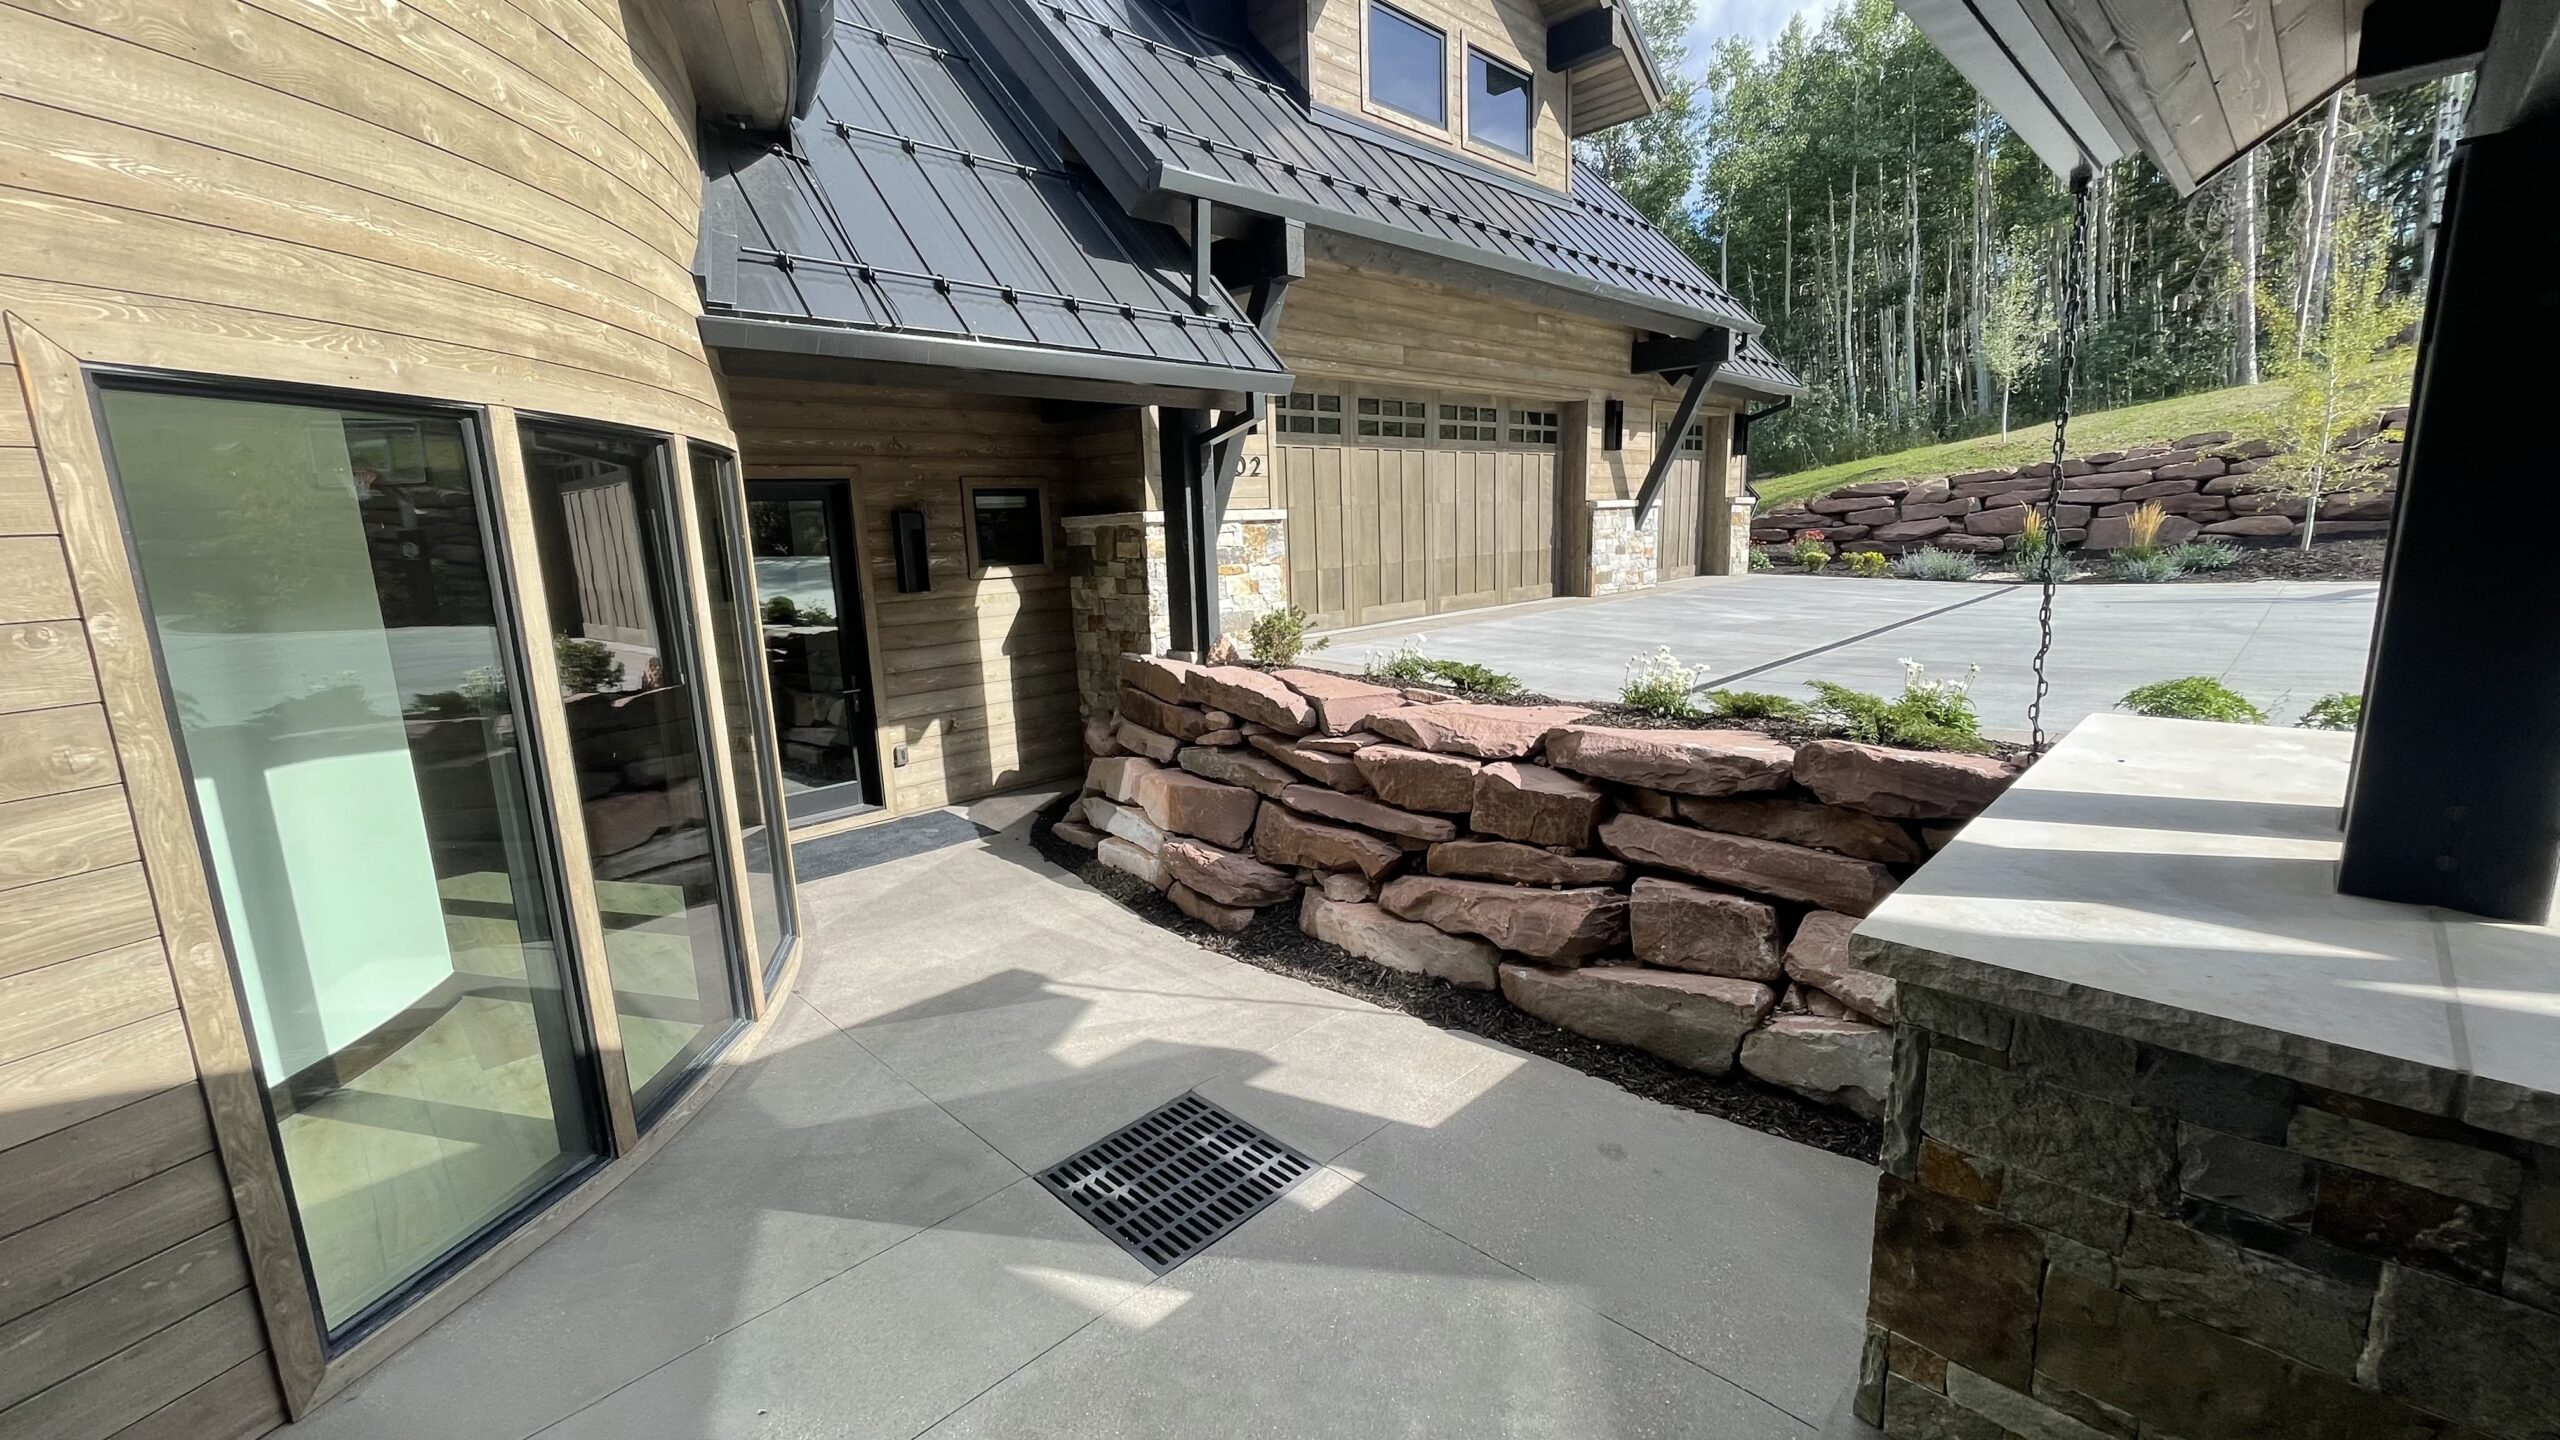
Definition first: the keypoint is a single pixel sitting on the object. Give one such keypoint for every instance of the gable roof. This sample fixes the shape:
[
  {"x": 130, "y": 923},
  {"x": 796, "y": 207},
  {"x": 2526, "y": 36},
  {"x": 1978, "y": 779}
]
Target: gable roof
[
  {"x": 1164, "y": 111},
  {"x": 927, "y": 218}
]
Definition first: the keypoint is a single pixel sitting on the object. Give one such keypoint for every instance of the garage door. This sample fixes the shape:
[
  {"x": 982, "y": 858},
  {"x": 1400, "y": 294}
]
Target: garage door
[
  {"x": 1683, "y": 523},
  {"x": 1407, "y": 503}
]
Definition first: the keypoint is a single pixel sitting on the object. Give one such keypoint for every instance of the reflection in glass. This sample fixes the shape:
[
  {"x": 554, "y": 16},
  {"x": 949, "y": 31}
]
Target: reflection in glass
[
  {"x": 320, "y": 592},
  {"x": 741, "y": 671},
  {"x": 1499, "y": 104},
  {"x": 617, "y": 620},
  {"x": 1406, "y": 65},
  {"x": 800, "y": 536}
]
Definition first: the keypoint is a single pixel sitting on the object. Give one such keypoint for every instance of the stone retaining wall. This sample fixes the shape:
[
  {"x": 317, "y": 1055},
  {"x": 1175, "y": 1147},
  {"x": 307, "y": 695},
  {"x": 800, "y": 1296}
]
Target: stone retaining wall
[
  {"x": 2078, "y": 1235},
  {"x": 1686, "y": 892},
  {"x": 2203, "y": 481}
]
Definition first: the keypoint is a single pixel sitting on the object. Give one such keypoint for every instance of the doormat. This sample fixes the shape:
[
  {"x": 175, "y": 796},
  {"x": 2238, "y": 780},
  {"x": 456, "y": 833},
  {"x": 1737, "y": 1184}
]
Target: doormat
[
  {"x": 1167, "y": 1186},
  {"x": 879, "y": 844}
]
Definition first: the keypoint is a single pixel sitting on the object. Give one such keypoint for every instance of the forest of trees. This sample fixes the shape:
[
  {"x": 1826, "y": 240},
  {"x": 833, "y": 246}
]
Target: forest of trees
[{"x": 1905, "y": 250}]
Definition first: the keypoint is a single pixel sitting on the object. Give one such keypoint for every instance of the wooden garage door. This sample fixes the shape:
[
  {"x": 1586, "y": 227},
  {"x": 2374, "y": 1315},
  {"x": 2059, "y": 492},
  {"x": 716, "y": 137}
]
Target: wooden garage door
[
  {"x": 1403, "y": 504},
  {"x": 1683, "y": 521}
]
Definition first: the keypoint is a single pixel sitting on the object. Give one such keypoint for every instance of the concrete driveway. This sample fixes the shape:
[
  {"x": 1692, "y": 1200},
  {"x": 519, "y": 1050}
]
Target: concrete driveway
[{"x": 2283, "y": 644}]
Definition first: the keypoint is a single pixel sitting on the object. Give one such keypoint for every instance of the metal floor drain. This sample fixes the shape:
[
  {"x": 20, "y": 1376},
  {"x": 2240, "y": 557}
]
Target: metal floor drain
[{"x": 1166, "y": 1186}]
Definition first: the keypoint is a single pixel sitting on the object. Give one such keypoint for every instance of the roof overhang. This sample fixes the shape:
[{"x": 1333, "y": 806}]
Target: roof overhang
[
  {"x": 745, "y": 58},
  {"x": 1614, "y": 77},
  {"x": 798, "y": 350}
]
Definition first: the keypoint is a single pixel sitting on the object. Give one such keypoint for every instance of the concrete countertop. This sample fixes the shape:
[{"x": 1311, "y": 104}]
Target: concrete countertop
[{"x": 2173, "y": 882}]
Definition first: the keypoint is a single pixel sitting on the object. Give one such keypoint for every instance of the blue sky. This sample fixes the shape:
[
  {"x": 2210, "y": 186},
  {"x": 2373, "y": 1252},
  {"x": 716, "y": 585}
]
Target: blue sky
[{"x": 1756, "y": 20}]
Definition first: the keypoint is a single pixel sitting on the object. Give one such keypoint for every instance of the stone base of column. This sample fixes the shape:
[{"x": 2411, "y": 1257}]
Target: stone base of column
[{"x": 1116, "y": 585}]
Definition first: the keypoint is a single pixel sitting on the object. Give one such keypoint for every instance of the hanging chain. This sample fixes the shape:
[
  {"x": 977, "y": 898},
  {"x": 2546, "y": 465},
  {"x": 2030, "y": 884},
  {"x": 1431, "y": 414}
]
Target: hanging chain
[{"x": 2075, "y": 283}]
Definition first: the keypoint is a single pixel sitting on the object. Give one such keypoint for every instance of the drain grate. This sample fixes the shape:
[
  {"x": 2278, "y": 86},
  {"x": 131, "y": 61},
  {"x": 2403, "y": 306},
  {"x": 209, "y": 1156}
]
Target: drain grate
[{"x": 1168, "y": 1185}]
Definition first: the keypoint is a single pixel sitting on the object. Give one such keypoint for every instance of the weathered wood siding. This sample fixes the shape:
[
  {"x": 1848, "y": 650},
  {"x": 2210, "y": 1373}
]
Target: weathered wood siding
[
  {"x": 976, "y": 677},
  {"x": 1512, "y": 31},
  {"x": 491, "y": 203}
]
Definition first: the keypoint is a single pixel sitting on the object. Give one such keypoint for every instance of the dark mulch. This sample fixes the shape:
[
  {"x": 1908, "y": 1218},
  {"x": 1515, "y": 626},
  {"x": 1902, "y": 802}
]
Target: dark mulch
[{"x": 1274, "y": 943}]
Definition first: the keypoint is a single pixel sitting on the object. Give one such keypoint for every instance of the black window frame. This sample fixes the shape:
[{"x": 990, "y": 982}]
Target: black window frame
[
  {"x": 1528, "y": 148},
  {"x": 1438, "y": 121},
  {"x": 981, "y": 564}
]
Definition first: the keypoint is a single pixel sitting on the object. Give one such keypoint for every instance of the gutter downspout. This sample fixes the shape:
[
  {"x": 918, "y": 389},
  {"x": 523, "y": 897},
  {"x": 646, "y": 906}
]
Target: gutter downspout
[{"x": 1742, "y": 424}]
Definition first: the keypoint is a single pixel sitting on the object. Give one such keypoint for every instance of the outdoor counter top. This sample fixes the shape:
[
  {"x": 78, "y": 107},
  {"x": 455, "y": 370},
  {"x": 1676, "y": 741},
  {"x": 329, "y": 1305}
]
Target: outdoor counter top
[{"x": 2173, "y": 882}]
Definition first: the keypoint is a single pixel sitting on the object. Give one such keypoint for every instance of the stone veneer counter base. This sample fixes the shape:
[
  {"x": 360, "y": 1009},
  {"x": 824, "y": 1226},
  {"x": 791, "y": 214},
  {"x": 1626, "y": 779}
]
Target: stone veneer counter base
[{"x": 2180, "y": 1142}]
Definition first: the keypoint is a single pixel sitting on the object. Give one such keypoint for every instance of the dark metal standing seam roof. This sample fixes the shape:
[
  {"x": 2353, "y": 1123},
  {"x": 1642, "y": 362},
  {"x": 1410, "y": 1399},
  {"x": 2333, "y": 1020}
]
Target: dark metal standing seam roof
[
  {"x": 925, "y": 206},
  {"x": 1195, "y": 115}
]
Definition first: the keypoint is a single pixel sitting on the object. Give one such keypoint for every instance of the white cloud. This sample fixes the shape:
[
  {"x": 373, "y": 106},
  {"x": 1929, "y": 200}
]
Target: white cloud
[{"x": 1758, "y": 21}]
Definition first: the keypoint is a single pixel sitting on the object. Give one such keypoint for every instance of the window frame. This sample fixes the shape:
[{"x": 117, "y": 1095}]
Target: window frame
[
  {"x": 1527, "y": 155},
  {"x": 979, "y": 567},
  {"x": 1315, "y": 412},
  {"x": 1486, "y": 415},
  {"x": 1371, "y": 101},
  {"x": 1414, "y": 407},
  {"x": 1538, "y": 425}
]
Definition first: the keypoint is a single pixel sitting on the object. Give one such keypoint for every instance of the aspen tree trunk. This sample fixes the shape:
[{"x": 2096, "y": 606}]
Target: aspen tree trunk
[
  {"x": 1787, "y": 277},
  {"x": 1981, "y": 259},
  {"x": 1911, "y": 275},
  {"x": 1849, "y": 301},
  {"x": 2244, "y": 257},
  {"x": 2316, "y": 242}
]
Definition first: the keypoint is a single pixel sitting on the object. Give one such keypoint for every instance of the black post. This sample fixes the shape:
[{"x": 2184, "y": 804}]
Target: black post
[
  {"x": 2455, "y": 796},
  {"x": 1190, "y": 531}
]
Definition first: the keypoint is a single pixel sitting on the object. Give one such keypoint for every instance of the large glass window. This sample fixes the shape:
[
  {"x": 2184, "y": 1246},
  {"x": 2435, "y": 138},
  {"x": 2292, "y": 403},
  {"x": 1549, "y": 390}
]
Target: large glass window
[
  {"x": 1408, "y": 65},
  {"x": 610, "y": 567},
  {"x": 740, "y": 661},
  {"x": 323, "y": 599},
  {"x": 1500, "y": 104}
]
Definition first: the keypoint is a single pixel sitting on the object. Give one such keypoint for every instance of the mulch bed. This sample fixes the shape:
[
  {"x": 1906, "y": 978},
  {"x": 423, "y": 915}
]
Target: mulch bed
[
  {"x": 1273, "y": 942},
  {"x": 2359, "y": 559}
]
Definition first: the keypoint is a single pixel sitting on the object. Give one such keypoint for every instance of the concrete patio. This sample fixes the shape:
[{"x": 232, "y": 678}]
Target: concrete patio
[
  {"x": 848, "y": 1241},
  {"x": 2281, "y": 643}
]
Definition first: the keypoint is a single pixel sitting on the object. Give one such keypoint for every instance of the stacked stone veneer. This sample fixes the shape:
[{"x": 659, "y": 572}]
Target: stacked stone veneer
[
  {"x": 2081, "y": 1236},
  {"x": 1116, "y": 586},
  {"x": 1624, "y": 555},
  {"x": 1689, "y": 893},
  {"x": 2204, "y": 482}
]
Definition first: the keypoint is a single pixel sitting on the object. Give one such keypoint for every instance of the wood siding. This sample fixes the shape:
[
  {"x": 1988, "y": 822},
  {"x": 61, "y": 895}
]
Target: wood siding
[
  {"x": 485, "y": 203},
  {"x": 976, "y": 677},
  {"x": 1511, "y": 31}
]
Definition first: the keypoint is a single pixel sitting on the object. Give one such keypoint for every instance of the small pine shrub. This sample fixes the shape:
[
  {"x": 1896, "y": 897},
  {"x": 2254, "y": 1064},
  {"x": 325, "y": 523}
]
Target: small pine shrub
[
  {"x": 2145, "y": 567},
  {"x": 1928, "y": 714},
  {"x": 1658, "y": 684},
  {"x": 1867, "y": 564},
  {"x": 1406, "y": 665},
  {"x": 1280, "y": 636},
  {"x": 2340, "y": 711},
  {"x": 1759, "y": 559},
  {"x": 1935, "y": 564},
  {"x": 587, "y": 667},
  {"x": 1755, "y": 705},
  {"x": 2196, "y": 697},
  {"x": 2205, "y": 556}
]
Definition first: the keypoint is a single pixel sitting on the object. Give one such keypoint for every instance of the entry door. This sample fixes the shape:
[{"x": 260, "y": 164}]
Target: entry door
[
  {"x": 801, "y": 537},
  {"x": 1682, "y": 502}
]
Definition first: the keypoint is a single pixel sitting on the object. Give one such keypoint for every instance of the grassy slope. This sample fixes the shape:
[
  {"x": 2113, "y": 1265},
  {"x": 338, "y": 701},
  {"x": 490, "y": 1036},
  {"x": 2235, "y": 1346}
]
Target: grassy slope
[{"x": 2244, "y": 410}]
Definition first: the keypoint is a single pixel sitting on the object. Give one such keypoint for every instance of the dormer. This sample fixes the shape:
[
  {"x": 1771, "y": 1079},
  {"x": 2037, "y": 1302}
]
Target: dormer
[{"x": 1507, "y": 84}]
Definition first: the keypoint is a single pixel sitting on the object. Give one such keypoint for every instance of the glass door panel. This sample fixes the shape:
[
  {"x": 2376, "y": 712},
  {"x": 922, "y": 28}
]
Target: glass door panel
[
  {"x": 801, "y": 535},
  {"x": 733, "y": 621},
  {"x": 322, "y": 597},
  {"x": 618, "y": 622}
]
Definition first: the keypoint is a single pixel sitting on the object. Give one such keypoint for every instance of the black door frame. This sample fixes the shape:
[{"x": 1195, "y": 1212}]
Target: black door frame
[{"x": 853, "y": 640}]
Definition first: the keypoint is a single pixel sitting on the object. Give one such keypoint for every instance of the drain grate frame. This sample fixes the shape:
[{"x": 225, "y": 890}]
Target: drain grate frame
[{"x": 1172, "y": 1182}]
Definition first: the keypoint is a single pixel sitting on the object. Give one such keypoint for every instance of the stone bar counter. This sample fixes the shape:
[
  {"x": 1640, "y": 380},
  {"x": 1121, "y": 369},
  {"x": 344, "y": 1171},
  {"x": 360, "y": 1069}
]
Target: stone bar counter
[{"x": 2183, "y": 1143}]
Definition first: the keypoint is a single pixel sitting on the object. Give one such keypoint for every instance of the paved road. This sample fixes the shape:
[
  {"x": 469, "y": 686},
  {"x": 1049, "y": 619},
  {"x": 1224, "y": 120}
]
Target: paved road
[{"x": 2281, "y": 643}]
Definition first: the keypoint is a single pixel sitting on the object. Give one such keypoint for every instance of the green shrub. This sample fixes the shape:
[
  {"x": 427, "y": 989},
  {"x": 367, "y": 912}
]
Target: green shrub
[
  {"x": 1280, "y": 636},
  {"x": 1406, "y": 664},
  {"x": 2196, "y": 697},
  {"x": 1754, "y": 705},
  {"x": 1759, "y": 559},
  {"x": 1658, "y": 684},
  {"x": 1935, "y": 564},
  {"x": 2147, "y": 567},
  {"x": 1931, "y": 714},
  {"x": 587, "y": 667},
  {"x": 1810, "y": 551},
  {"x": 1867, "y": 564},
  {"x": 2204, "y": 556},
  {"x": 2340, "y": 711}
]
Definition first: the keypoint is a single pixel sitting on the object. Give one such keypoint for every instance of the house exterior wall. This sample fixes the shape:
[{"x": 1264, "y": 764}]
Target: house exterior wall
[
  {"x": 297, "y": 195},
  {"x": 976, "y": 677},
  {"x": 1511, "y": 31}
]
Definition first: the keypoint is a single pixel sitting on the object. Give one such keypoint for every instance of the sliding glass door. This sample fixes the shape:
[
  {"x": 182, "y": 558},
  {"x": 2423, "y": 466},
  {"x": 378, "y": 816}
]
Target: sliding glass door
[
  {"x": 351, "y": 713},
  {"x": 735, "y": 647},
  {"x": 603, "y": 520}
]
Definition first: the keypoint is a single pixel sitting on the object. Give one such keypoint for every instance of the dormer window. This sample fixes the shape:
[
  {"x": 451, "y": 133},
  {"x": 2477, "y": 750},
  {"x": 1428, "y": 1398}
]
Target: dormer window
[
  {"x": 1408, "y": 66},
  {"x": 1500, "y": 105}
]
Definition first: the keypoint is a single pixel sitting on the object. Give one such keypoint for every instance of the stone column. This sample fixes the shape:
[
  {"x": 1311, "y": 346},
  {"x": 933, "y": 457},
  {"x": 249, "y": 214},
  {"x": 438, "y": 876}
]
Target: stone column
[
  {"x": 1624, "y": 555},
  {"x": 1118, "y": 586}
]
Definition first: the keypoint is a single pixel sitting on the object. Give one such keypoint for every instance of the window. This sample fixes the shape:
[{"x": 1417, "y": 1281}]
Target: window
[
  {"x": 736, "y": 650},
  {"x": 1500, "y": 105},
  {"x": 1406, "y": 66},
  {"x": 1309, "y": 413},
  {"x": 1468, "y": 422},
  {"x": 1613, "y": 424},
  {"x": 1534, "y": 427},
  {"x": 1008, "y": 528},
  {"x": 1695, "y": 442},
  {"x": 1394, "y": 419},
  {"x": 350, "y": 703}
]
